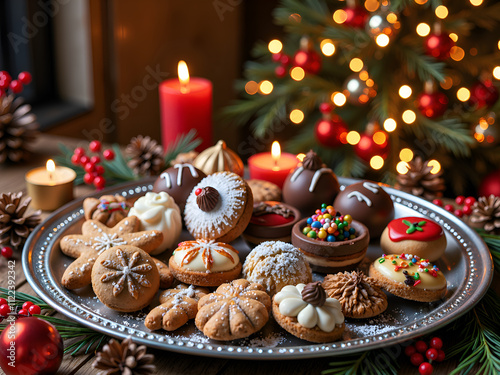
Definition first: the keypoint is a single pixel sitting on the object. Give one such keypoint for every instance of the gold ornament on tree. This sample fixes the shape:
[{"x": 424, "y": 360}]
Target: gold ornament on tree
[
  {"x": 146, "y": 156},
  {"x": 126, "y": 358},
  {"x": 486, "y": 214},
  {"x": 15, "y": 225},
  {"x": 219, "y": 158},
  {"x": 419, "y": 180}
]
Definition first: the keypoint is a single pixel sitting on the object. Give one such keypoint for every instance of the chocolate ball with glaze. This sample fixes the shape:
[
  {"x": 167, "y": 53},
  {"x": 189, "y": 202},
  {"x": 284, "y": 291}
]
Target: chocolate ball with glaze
[
  {"x": 368, "y": 203},
  {"x": 310, "y": 185},
  {"x": 178, "y": 181}
]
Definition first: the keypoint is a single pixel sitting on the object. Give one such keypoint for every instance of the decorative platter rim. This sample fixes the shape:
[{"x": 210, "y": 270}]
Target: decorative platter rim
[{"x": 479, "y": 272}]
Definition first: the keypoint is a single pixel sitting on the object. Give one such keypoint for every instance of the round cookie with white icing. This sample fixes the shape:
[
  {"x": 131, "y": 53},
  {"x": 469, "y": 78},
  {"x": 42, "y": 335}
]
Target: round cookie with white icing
[
  {"x": 158, "y": 211},
  {"x": 219, "y": 207},
  {"x": 409, "y": 276},
  {"x": 274, "y": 264},
  {"x": 307, "y": 313},
  {"x": 414, "y": 235},
  {"x": 178, "y": 181},
  {"x": 369, "y": 203},
  {"x": 310, "y": 185},
  {"x": 205, "y": 263}
]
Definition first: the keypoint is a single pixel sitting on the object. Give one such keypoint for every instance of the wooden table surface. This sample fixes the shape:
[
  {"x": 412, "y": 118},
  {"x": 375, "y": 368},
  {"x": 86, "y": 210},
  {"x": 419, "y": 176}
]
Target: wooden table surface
[{"x": 12, "y": 180}]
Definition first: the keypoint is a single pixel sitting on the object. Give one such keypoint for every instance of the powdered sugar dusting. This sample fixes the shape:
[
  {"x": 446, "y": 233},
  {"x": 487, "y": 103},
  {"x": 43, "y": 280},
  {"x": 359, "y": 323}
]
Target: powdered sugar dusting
[{"x": 372, "y": 327}]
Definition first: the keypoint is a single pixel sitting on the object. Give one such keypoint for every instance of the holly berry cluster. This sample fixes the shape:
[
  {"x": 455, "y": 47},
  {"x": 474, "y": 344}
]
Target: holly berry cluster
[
  {"x": 464, "y": 204},
  {"x": 15, "y": 86},
  {"x": 94, "y": 170},
  {"x": 6, "y": 252},
  {"x": 433, "y": 352},
  {"x": 28, "y": 309}
]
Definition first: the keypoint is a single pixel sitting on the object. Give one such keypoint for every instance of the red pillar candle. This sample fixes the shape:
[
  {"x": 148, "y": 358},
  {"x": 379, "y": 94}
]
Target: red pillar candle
[
  {"x": 185, "y": 104},
  {"x": 272, "y": 166}
]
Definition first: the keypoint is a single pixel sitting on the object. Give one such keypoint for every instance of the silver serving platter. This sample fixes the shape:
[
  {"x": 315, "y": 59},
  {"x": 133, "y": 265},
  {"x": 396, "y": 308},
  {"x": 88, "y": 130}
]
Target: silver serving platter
[{"x": 467, "y": 265}]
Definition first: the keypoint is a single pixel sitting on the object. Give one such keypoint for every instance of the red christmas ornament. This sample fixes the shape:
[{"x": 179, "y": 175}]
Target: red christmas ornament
[
  {"x": 356, "y": 16},
  {"x": 438, "y": 45},
  {"x": 432, "y": 103},
  {"x": 37, "y": 349},
  {"x": 373, "y": 142},
  {"x": 483, "y": 94},
  {"x": 490, "y": 185},
  {"x": 307, "y": 58},
  {"x": 330, "y": 131}
]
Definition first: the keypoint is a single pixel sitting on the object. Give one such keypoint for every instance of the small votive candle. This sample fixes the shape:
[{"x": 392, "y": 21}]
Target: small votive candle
[{"x": 50, "y": 187}]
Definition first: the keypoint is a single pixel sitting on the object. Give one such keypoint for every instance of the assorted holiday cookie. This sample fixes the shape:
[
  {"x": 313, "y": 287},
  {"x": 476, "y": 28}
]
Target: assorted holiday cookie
[
  {"x": 96, "y": 237},
  {"x": 306, "y": 312},
  {"x": 125, "y": 278},
  {"x": 409, "y": 276},
  {"x": 414, "y": 235},
  {"x": 178, "y": 181},
  {"x": 310, "y": 184},
  {"x": 158, "y": 211},
  {"x": 233, "y": 311},
  {"x": 219, "y": 207},
  {"x": 205, "y": 262},
  {"x": 331, "y": 242},
  {"x": 359, "y": 296},
  {"x": 271, "y": 221},
  {"x": 372, "y": 205},
  {"x": 108, "y": 209},
  {"x": 219, "y": 158},
  {"x": 264, "y": 190},
  {"x": 275, "y": 264},
  {"x": 178, "y": 306}
]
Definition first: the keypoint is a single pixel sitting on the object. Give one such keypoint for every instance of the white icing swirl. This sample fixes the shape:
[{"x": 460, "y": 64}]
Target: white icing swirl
[
  {"x": 158, "y": 211},
  {"x": 206, "y": 256},
  {"x": 325, "y": 317}
]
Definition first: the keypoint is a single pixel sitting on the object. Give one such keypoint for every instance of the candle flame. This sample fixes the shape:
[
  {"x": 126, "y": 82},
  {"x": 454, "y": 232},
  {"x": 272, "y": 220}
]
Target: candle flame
[
  {"x": 183, "y": 73},
  {"x": 276, "y": 151},
  {"x": 51, "y": 167}
]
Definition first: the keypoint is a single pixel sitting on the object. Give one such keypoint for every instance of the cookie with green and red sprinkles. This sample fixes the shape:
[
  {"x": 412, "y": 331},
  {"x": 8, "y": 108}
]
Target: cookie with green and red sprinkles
[{"x": 409, "y": 276}]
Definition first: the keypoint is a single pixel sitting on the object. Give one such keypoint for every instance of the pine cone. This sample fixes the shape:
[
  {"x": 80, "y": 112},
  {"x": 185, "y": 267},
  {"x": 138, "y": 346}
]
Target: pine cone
[
  {"x": 146, "y": 156},
  {"x": 486, "y": 214},
  {"x": 419, "y": 181},
  {"x": 125, "y": 358},
  {"x": 14, "y": 226},
  {"x": 18, "y": 128}
]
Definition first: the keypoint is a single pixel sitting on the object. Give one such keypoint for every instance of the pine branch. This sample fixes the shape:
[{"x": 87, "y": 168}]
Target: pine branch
[
  {"x": 425, "y": 66},
  {"x": 493, "y": 243},
  {"x": 21, "y": 297},
  {"x": 183, "y": 143},
  {"x": 377, "y": 362}
]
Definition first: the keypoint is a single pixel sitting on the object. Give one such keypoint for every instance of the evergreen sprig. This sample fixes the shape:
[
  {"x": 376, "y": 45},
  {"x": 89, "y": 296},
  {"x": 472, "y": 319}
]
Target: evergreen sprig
[
  {"x": 372, "y": 362},
  {"x": 493, "y": 243}
]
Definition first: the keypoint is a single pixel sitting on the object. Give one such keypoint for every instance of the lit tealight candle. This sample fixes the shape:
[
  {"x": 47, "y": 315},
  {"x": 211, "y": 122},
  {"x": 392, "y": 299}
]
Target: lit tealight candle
[
  {"x": 50, "y": 187},
  {"x": 272, "y": 166}
]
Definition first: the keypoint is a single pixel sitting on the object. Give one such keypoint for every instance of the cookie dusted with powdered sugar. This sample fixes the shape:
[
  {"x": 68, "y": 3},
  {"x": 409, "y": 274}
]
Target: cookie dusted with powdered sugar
[{"x": 219, "y": 207}]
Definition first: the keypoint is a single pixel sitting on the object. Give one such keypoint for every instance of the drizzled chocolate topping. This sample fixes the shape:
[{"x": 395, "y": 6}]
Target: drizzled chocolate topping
[
  {"x": 262, "y": 208},
  {"x": 207, "y": 199},
  {"x": 312, "y": 161},
  {"x": 314, "y": 294},
  {"x": 410, "y": 281}
]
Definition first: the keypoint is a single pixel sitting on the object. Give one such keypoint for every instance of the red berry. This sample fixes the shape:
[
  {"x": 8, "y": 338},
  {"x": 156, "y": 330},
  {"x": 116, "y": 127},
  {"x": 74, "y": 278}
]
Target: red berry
[
  {"x": 35, "y": 310},
  {"x": 436, "y": 343},
  {"x": 99, "y": 169},
  {"x": 460, "y": 199},
  {"x": 27, "y": 305},
  {"x": 4, "y": 309},
  {"x": 95, "y": 146},
  {"x": 84, "y": 159},
  {"x": 4, "y": 84},
  {"x": 449, "y": 208},
  {"x": 280, "y": 71},
  {"x": 79, "y": 151},
  {"x": 469, "y": 201},
  {"x": 441, "y": 356},
  {"x": 99, "y": 182},
  {"x": 467, "y": 210},
  {"x": 7, "y": 252},
  {"x": 421, "y": 346},
  {"x": 3, "y": 301},
  {"x": 88, "y": 178},
  {"x": 431, "y": 354},
  {"x": 24, "y": 77},
  {"x": 458, "y": 213},
  {"x": 22, "y": 312},
  {"x": 438, "y": 202},
  {"x": 325, "y": 107},
  {"x": 75, "y": 159},
  {"x": 16, "y": 86},
  {"x": 410, "y": 350},
  {"x": 425, "y": 369},
  {"x": 197, "y": 192},
  {"x": 95, "y": 159},
  {"x": 108, "y": 154},
  {"x": 416, "y": 359},
  {"x": 89, "y": 167}
]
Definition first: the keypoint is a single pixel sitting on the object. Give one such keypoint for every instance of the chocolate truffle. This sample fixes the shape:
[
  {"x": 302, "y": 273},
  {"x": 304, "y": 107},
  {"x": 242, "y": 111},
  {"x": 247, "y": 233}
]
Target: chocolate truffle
[
  {"x": 178, "y": 181},
  {"x": 310, "y": 185},
  {"x": 271, "y": 221},
  {"x": 368, "y": 203}
]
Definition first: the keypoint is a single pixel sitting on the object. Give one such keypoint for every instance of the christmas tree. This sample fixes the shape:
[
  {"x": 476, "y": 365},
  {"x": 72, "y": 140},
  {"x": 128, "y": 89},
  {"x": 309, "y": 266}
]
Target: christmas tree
[{"x": 373, "y": 85}]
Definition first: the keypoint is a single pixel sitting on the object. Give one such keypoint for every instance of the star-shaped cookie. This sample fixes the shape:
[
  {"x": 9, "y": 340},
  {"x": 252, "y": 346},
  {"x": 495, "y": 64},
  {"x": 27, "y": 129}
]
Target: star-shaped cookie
[{"x": 97, "y": 237}]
